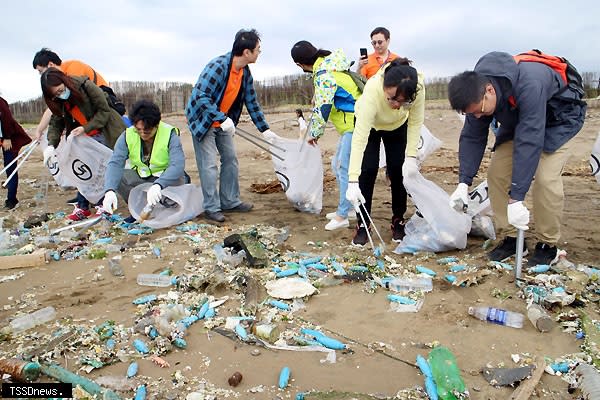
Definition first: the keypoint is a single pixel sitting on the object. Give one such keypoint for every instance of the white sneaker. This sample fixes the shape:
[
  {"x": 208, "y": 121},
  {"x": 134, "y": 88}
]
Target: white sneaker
[
  {"x": 332, "y": 215},
  {"x": 335, "y": 224}
]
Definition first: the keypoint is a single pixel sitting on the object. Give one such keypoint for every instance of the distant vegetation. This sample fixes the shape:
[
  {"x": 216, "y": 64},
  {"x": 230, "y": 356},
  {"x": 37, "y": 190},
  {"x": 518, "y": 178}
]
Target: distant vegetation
[{"x": 273, "y": 94}]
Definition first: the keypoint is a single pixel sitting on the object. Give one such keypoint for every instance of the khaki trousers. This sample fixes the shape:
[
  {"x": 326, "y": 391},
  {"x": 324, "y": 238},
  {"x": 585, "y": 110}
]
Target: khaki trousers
[{"x": 547, "y": 194}]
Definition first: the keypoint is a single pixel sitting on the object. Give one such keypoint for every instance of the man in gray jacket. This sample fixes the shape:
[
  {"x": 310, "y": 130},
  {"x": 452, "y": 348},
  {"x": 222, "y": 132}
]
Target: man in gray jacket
[{"x": 538, "y": 116}]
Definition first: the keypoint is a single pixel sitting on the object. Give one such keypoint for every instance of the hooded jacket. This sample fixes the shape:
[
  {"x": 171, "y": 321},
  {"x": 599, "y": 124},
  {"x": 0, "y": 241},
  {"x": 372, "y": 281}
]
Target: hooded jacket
[
  {"x": 544, "y": 119},
  {"x": 11, "y": 129},
  {"x": 335, "y": 94}
]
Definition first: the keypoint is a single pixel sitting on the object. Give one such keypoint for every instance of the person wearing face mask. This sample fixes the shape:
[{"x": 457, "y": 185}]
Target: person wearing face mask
[
  {"x": 78, "y": 107},
  {"x": 380, "y": 39},
  {"x": 391, "y": 109}
]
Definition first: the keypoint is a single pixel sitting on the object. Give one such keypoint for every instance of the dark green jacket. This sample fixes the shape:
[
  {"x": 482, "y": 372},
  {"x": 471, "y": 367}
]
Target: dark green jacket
[{"x": 98, "y": 113}]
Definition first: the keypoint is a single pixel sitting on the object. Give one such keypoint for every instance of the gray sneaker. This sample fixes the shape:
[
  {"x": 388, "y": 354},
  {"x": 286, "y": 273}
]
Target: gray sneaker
[
  {"x": 214, "y": 216},
  {"x": 242, "y": 207}
]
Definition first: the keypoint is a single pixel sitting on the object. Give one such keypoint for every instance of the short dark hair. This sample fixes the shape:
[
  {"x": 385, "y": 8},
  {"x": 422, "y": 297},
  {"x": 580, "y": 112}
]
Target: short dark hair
[
  {"x": 382, "y": 30},
  {"x": 304, "y": 52},
  {"x": 44, "y": 56},
  {"x": 465, "y": 89},
  {"x": 146, "y": 111},
  {"x": 403, "y": 77},
  {"x": 245, "y": 39}
]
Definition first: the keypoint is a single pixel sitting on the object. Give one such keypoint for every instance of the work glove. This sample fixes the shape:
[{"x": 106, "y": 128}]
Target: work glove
[
  {"x": 154, "y": 195},
  {"x": 109, "y": 204},
  {"x": 269, "y": 135},
  {"x": 354, "y": 196},
  {"x": 228, "y": 126},
  {"x": 518, "y": 215},
  {"x": 460, "y": 198},
  {"x": 410, "y": 169},
  {"x": 48, "y": 152}
]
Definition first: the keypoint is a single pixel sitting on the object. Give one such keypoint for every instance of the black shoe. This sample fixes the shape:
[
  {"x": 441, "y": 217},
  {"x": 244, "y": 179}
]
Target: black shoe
[
  {"x": 129, "y": 220},
  {"x": 397, "y": 229},
  {"x": 506, "y": 249},
  {"x": 242, "y": 207},
  {"x": 544, "y": 254},
  {"x": 360, "y": 237},
  {"x": 214, "y": 216},
  {"x": 10, "y": 204}
]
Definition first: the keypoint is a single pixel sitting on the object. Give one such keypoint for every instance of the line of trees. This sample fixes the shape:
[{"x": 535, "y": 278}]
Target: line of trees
[{"x": 273, "y": 93}]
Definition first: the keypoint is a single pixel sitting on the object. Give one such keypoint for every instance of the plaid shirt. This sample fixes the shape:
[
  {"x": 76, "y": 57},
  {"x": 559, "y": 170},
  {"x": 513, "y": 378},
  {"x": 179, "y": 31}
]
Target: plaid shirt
[{"x": 203, "y": 106}]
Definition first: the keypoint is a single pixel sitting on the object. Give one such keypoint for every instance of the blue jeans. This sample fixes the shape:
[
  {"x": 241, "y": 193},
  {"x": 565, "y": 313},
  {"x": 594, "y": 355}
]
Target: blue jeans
[
  {"x": 227, "y": 194},
  {"x": 9, "y": 155},
  {"x": 339, "y": 166}
]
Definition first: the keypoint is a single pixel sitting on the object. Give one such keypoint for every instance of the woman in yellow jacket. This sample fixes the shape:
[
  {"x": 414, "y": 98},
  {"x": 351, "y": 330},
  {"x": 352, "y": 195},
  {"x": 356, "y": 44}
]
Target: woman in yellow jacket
[{"x": 391, "y": 109}]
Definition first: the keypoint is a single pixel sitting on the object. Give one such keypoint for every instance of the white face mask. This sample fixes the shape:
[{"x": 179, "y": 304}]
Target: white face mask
[{"x": 65, "y": 95}]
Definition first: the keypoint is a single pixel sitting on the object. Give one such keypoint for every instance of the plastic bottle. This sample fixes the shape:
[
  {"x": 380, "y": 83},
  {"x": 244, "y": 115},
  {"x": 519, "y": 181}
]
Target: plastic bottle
[
  {"x": 409, "y": 284},
  {"x": 46, "y": 240},
  {"x": 446, "y": 374},
  {"x": 498, "y": 316},
  {"x": 284, "y": 377},
  {"x": 114, "y": 266},
  {"x": 539, "y": 318},
  {"x": 153, "y": 280},
  {"x": 145, "y": 214},
  {"x": 30, "y": 320},
  {"x": 19, "y": 370}
]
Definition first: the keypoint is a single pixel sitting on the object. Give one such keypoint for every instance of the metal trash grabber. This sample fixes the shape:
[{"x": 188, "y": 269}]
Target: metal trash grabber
[
  {"x": 82, "y": 225},
  {"x": 20, "y": 164},
  {"x": 258, "y": 145},
  {"x": 18, "y": 157},
  {"x": 260, "y": 138},
  {"x": 374, "y": 227},
  {"x": 519, "y": 256}
]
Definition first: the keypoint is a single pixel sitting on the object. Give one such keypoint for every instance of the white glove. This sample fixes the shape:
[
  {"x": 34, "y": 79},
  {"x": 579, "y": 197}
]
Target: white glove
[
  {"x": 354, "y": 196},
  {"x": 154, "y": 195},
  {"x": 518, "y": 215},
  {"x": 269, "y": 135},
  {"x": 228, "y": 126},
  {"x": 410, "y": 169},
  {"x": 460, "y": 197},
  {"x": 48, "y": 152},
  {"x": 109, "y": 204}
]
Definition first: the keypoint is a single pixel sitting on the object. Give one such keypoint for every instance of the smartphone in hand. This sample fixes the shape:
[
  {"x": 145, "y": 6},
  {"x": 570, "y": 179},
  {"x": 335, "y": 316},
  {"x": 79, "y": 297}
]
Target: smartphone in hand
[{"x": 363, "y": 53}]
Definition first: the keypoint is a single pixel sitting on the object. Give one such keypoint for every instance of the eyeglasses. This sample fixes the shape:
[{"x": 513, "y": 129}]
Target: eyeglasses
[
  {"x": 402, "y": 102},
  {"x": 377, "y": 42}
]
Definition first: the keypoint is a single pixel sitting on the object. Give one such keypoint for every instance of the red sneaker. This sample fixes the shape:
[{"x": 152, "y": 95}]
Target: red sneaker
[{"x": 79, "y": 214}]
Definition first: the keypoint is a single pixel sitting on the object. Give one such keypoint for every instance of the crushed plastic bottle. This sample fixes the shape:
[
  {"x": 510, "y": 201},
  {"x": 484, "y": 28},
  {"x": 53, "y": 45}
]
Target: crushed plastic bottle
[
  {"x": 406, "y": 284},
  {"x": 114, "y": 266},
  {"x": 30, "y": 320},
  {"x": 446, "y": 375},
  {"x": 498, "y": 316},
  {"x": 153, "y": 280}
]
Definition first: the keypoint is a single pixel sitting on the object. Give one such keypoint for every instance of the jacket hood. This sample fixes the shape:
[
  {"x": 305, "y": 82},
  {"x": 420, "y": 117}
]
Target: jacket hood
[
  {"x": 498, "y": 64},
  {"x": 336, "y": 61}
]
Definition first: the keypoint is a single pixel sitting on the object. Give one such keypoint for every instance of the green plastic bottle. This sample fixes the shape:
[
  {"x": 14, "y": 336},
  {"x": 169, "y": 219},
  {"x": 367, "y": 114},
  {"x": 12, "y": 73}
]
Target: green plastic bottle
[{"x": 446, "y": 374}]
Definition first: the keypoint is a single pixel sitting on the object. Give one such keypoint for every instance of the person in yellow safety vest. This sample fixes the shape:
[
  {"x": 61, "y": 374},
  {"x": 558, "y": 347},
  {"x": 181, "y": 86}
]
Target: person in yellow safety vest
[{"x": 155, "y": 154}]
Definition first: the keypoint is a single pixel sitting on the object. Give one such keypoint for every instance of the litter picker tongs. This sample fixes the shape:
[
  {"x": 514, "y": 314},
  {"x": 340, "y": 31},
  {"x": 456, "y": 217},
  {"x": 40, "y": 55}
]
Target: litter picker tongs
[
  {"x": 251, "y": 138},
  {"x": 365, "y": 212},
  {"x": 24, "y": 155}
]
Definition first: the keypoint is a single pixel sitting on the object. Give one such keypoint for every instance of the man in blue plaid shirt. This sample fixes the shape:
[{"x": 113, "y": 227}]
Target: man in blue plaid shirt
[{"x": 213, "y": 110}]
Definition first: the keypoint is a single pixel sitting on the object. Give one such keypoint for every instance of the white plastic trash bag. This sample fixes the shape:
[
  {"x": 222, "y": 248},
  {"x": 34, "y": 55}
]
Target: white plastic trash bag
[
  {"x": 427, "y": 145},
  {"x": 52, "y": 163},
  {"x": 179, "y": 204},
  {"x": 83, "y": 161},
  {"x": 480, "y": 210},
  {"x": 300, "y": 173},
  {"x": 440, "y": 227},
  {"x": 595, "y": 159}
]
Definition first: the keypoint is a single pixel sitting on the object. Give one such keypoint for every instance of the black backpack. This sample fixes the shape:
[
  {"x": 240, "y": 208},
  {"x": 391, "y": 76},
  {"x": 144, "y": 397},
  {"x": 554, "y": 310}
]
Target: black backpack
[{"x": 111, "y": 97}]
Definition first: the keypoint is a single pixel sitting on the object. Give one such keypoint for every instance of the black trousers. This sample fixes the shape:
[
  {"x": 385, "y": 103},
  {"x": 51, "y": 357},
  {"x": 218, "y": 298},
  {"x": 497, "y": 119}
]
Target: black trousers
[{"x": 394, "y": 143}]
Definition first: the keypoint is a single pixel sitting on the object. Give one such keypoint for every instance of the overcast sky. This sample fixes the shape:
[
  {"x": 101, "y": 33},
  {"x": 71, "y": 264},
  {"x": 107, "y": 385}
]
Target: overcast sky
[{"x": 151, "y": 40}]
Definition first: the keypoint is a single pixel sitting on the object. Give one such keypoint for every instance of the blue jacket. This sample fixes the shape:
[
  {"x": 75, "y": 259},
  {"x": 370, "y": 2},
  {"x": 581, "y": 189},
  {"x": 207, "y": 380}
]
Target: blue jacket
[
  {"x": 171, "y": 176},
  {"x": 543, "y": 120},
  {"x": 203, "y": 106}
]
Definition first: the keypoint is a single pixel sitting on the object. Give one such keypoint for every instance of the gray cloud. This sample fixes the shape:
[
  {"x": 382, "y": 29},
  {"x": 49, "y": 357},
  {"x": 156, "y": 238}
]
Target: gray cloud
[{"x": 160, "y": 41}]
